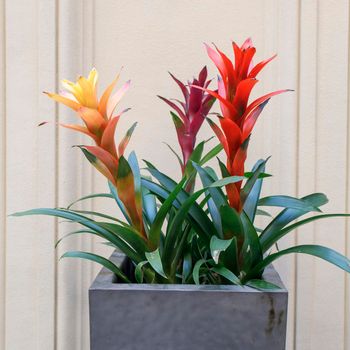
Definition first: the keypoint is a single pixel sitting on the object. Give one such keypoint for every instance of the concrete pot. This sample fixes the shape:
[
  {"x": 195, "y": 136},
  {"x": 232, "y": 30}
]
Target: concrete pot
[{"x": 185, "y": 317}]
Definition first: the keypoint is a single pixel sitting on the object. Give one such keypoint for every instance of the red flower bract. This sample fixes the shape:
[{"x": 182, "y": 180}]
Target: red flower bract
[
  {"x": 190, "y": 113},
  {"x": 235, "y": 83}
]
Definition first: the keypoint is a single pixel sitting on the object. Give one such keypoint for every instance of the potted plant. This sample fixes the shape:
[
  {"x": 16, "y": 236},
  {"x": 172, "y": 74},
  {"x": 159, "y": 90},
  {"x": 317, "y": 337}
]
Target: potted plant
[{"x": 191, "y": 270}]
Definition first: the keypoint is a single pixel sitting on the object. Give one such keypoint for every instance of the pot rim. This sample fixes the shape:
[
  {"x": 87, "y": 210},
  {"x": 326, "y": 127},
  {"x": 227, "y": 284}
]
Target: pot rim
[{"x": 105, "y": 280}]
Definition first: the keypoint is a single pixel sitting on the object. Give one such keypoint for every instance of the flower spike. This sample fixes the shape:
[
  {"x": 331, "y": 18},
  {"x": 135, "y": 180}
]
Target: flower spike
[
  {"x": 190, "y": 113},
  {"x": 100, "y": 125},
  {"x": 235, "y": 84}
]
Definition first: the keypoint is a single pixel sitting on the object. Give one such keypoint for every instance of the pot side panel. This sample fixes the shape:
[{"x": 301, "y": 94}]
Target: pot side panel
[{"x": 128, "y": 319}]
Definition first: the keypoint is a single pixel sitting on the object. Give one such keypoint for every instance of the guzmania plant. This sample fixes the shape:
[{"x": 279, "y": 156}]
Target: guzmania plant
[{"x": 172, "y": 233}]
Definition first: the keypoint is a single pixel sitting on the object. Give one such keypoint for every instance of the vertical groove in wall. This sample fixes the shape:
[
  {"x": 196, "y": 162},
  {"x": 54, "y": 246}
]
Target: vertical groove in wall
[
  {"x": 330, "y": 163},
  {"x": 347, "y": 205},
  {"x": 87, "y": 186},
  {"x": 82, "y": 183},
  {"x": 3, "y": 178},
  {"x": 35, "y": 249},
  {"x": 297, "y": 170},
  {"x": 92, "y": 173},
  {"x": 316, "y": 131},
  {"x": 56, "y": 155},
  {"x": 287, "y": 130}
]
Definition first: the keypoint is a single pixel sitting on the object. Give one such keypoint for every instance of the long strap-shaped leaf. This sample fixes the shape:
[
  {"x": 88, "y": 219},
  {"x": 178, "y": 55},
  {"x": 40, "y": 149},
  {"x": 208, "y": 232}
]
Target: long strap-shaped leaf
[
  {"x": 288, "y": 215},
  {"x": 248, "y": 187},
  {"x": 287, "y": 202},
  {"x": 251, "y": 200},
  {"x": 216, "y": 193},
  {"x": 94, "y": 226},
  {"x": 217, "y": 196},
  {"x": 197, "y": 214},
  {"x": 95, "y": 213},
  {"x": 118, "y": 201},
  {"x": 98, "y": 259},
  {"x": 226, "y": 273},
  {"x": 251, "y": 250},
  {"x": 175, "y": 232},
  {"x": 155, "y": 230},
  {"x": 149, "y": 205},
  {"x": 211, "y": 154},
  {"x": 72, "y": 234},
  {"x": 324, "y": 253},
  {"x": 128, "y": 234},
  {"x": 91, "y": 196},
  {"x": 269, "y": 238}
]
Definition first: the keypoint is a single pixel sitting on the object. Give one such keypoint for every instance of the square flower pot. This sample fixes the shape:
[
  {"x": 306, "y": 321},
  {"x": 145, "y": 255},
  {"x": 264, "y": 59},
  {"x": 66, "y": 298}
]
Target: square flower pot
[{"x": 185, "y": 317}]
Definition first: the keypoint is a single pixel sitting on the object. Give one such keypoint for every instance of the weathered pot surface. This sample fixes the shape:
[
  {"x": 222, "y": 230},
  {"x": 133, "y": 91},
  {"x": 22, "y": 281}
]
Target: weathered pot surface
[{"x": 185, "y": 317}]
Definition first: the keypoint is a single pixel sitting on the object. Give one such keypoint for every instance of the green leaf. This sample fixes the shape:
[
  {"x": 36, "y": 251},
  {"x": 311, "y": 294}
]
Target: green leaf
[
  {"x": 91, "y": 224},
  {"x": 155, "y": 230},
  {"x": 249, "y": 174},
  {"x": 226, "y": 273},
  {"x": 72, "y": 234},
  {"x": 98, "y": 259},
  {"x": 118, "y": 201},
  {"x": 196, "y": 270},
  {"x": 263, "y": 213},
  {"x": 211, "y": 154},
  {"x": 288, "y": 215},
  {"x": 129, "y": 235},
  {"x": 226, "y": 181},
  {"x": 231, "y": 223},
  {"x": 198, "y": 217},
  {"x": 217, "y": 246},
  {"x": 251, "y": 250},
  {"x": 175, "y": 232},
  {"x": 207, "y": 180},
  {"x": 249, "y": 185},
  {"x": 223, "y": 169},
  {"x": 215, "y": 216},
  {"x": 324, "y": 253},
  {"x": 195, "y": 157},
  {"x": 176, "y": 155},
  {"x": 269, "y": 238},
  {"x": 139, "y": 272},
  {"x": 91, "y": 196},
  {"x": 287, "y": 202},
  {"x": 186, "y": 266},
  {"x": 155, "y": 261},
  {"x": 229, "y": 257},
  {"x": 149, "y": 205},
  {"x": 95, "y": 213},
  {"x": 251, "y": 201},
  {"x": 262, "y": 285}
]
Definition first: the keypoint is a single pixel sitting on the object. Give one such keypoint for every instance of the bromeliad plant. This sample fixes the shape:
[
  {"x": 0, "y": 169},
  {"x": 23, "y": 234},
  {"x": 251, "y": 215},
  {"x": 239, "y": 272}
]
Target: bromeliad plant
[{"x": 171, "y": 233}]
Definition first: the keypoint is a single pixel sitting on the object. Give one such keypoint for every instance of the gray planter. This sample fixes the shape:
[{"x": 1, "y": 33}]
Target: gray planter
[{"x": 185, "y": 317}]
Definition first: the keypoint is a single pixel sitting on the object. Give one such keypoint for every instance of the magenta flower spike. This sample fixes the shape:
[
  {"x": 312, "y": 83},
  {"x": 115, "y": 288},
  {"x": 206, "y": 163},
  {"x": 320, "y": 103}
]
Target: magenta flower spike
[{"x": 188, "y": 115}]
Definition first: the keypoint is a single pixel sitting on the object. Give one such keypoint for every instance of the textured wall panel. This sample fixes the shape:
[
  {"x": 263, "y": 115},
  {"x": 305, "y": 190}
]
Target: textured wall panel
[{"x": 43, "y": 304}]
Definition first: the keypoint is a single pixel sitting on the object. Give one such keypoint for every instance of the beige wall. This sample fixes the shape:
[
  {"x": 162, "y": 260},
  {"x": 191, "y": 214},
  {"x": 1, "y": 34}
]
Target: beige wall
[{"x": 43, "y": 305}]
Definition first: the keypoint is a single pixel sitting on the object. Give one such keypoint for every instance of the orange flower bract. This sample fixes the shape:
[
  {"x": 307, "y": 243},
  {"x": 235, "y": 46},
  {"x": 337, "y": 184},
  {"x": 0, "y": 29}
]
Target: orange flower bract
[{"x": 100, "y": 124}]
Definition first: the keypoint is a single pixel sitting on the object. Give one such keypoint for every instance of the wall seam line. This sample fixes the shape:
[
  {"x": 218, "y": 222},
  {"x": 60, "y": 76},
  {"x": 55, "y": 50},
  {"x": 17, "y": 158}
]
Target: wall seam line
[
  {"x": 297, "y": 168},
  {"x": 4, "y": 172},
  {"x": 347, "y": 199},
  {"x": 56, "y": 190}
]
